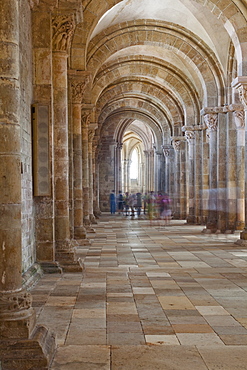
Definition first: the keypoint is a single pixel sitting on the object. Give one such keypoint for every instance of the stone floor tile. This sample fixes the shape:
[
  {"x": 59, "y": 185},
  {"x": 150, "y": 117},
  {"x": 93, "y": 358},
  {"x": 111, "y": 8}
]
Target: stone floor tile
[
  {"x": 227, "y": 358},
  {"x": 224, "y": 320},
  {"x": 79, "y": 357},
  {"x": 175, "y": 303},
  {"x": 234, "y": 339},
  {"x": 192, "y": 328},
  {"x": 156, "y": 358},
  {"x": 199, "y": 339},
  {"x": 162, "y": 339},
  {"x": 78, "y": 335},
  {"x": 212, "y": 310},
  {"x": 97, "y": 313},
  {"x": 115, "y": 339},
  {"x": 60, "y": 301}
]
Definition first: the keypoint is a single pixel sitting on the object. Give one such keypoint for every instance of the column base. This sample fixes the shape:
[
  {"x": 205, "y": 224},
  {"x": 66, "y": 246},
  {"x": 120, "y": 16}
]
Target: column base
[
  {"x": 51, "y": 267},
  {"x": 25, "y": 354},
  {"x": 67, "y": 261},
  {"x": 90, "y": 229},
  {"x": 243, "y": 238},
  {"x": 81, "y": 242},
  {"x": 93, "y": 219},
  {"x": 240, "y": 225}
]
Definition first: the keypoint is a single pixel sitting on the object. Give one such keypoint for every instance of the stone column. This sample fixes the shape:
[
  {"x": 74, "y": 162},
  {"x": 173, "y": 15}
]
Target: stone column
[
  {"x": 182, "y": 179},
  {"x": 157, "y": 162},
  {"x": 147, "y": 189},
  {"x": 176, "y": 142},
  {"x": 223, "y": 157},
  {"x": 91, "y": 133},
  {"x": 78, "y": 82},
  {"x": 63, "y": 28},
  {"x": 190, "y": 137},
  {"x": 211, "y": 120},
  {"x": 85, "y": 120},
  {"x": 240, "y": 84},
  {"x": 231, "y": 171},
  {"x": 96, "y": 207},
  {"x": 118, "y": 168},
  {"x": 240, "y": 183},
  {"x": 205, "y": 177},
  {"x": 167, "y": 155},
  {"x": 17, "y": 316}
]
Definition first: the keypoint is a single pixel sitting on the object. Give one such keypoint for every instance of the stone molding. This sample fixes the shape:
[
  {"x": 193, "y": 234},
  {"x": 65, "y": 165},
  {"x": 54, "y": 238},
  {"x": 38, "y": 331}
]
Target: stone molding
[{"x": 63, "y": 27}]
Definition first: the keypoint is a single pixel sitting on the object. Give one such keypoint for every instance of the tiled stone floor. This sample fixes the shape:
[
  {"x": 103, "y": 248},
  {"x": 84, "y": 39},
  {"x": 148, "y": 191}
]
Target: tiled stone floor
[{"x": 150, "y": 297}]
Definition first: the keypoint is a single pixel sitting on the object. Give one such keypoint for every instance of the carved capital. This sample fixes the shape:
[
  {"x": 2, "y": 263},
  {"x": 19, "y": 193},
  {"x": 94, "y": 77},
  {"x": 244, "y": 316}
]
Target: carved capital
[
  {"x": 176, "y": 144},
  {"x": 85, "y": 118},
  {"x": 190, "y": 136},
  {"x": 239, "y": 118},
  {"x": 211, "y": 121},
  {"x": 78, "y": 90},
  {"x": 14, "y": 302},
  {"x": 63, "y": 27},
  {"x": 242, "y": 90}
]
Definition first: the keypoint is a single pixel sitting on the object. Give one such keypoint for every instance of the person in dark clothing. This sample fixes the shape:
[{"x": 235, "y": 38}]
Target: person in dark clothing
[
  {"x": 112, "y": 203},
  {"x": 120, "y": 202}
]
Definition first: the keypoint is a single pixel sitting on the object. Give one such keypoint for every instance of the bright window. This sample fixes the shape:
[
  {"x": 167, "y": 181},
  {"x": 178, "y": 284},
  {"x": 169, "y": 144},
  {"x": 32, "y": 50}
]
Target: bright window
[{"x": 134, "y": 165}]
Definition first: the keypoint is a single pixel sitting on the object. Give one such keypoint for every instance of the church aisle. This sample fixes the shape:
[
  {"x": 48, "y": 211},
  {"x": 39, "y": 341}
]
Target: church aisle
[{"x": 149, "y": 297}]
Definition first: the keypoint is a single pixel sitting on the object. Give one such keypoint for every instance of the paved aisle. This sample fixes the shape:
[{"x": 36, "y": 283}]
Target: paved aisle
[{"x": 150, "y": 297}]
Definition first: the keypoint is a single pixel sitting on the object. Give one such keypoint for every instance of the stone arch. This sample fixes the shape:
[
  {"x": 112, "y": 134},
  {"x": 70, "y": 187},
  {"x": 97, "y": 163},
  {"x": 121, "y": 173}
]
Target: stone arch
[
  {"x": 117, "y": 120},
  {"x": 232, "y": 13},
  {"x": 183, "y": 42},
  {"x": 176, "y": 86}
]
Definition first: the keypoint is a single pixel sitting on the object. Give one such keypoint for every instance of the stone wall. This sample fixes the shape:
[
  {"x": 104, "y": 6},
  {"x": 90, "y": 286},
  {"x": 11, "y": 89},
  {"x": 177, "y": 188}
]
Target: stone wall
[{"x": 28, "y": 241}]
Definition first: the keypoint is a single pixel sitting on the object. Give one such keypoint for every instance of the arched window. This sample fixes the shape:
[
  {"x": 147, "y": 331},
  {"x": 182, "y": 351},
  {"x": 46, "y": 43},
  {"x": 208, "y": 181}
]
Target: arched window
[{"x": 134, "y": 167}]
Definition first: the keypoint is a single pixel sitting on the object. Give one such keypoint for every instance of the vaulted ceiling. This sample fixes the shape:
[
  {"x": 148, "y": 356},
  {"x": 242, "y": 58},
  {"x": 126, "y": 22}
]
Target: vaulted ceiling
[{"x": 159, "y": 62}]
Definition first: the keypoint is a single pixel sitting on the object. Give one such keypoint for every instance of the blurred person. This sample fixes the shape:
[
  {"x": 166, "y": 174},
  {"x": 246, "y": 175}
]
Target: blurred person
[
  {"x": 138, "y": 203},
  {"x": 120, "y": 202},
  {"x": 112, "y": 202}
]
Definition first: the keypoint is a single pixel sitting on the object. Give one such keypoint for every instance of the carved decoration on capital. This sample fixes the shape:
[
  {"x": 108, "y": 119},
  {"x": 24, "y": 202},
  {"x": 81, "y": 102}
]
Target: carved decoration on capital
[
  {"x": 242, "y": 90},
  {"x": 189, "y": 135},
  {"x": 176, "y": 144},
  {"x": 211, "y": 120},
  {"x": 166, "y": 153},
  {"x": 85, "y": 118},
  {"x": 239, "y": 118},
  {"x": 15, "y": 302},
  {"x": 78, "y": 90},
  {"x": 63, "y": 27}
]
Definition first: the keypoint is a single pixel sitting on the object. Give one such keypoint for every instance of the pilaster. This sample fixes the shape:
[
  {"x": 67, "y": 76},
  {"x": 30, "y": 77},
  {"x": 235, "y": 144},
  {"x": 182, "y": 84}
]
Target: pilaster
[{"x": 240, "y": 84}]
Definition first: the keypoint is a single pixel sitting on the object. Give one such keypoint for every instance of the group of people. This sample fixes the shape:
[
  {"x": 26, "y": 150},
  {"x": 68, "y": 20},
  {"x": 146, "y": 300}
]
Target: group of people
[{"x": 155, "y": 206}]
